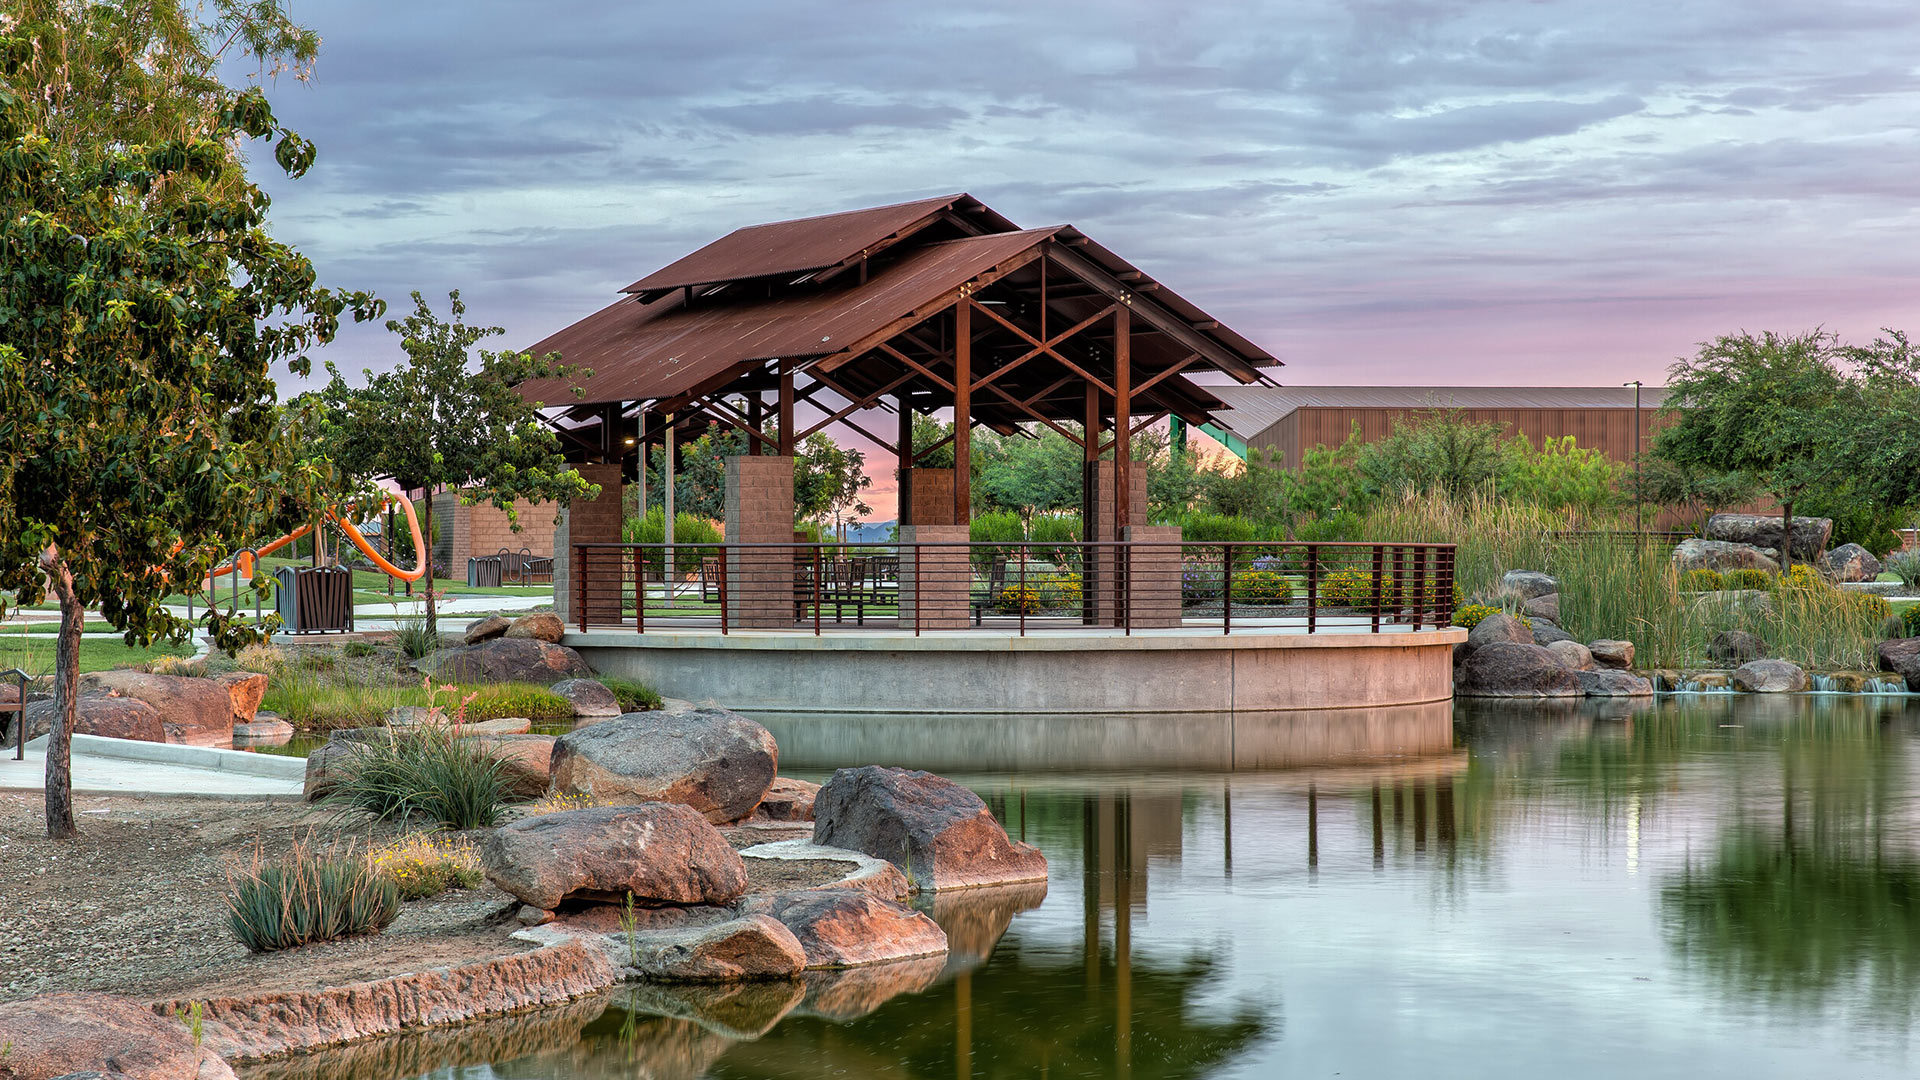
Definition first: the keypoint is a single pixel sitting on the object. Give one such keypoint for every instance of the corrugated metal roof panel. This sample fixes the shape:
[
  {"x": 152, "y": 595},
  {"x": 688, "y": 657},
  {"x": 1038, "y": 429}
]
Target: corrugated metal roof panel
[
  {"x": 661, "y": 350},
  {"x": 1254, "y": 409},
  {"x": 804, "y": 244}
]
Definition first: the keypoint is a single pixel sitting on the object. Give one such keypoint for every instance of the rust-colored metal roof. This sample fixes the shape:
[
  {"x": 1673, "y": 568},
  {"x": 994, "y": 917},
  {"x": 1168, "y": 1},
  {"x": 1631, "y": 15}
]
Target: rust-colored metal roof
[
  {"x": 661, "y": 350},
  {"x": 813, "y": 244},
  {"x": 1255, "y": 409}
]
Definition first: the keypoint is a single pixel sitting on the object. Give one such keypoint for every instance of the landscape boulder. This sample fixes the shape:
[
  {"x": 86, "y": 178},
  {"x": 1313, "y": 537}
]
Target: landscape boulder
[
  {"x": 659, "y": 853},
  {"x": 266, "y": 730},
  {"x": 1528, "y": 584},
  {"x": 525, "y": 760},
  {"x": 589, "y": 697},
  {"x": 1608, "y": 653},
  {"x": 1735, "y": 647},
  {"x": 788, "y": 800},
  {"x": 505, "y": 660},
  {"x": 105, "y": 1035},
  {"x": 505, "y": 725},
  {"x": 410, "y": 716},
  {"x": 1902, "y": 657},
  {"x": 749, "y": 947},
  {"x": 840, "y": 928},
  {"x": 1608, "y": 682},
  {"x": 1511, "y": 669},
  {"x": 1721, "y": 556},
  {"x": 329, "y": 763},
  {"x": 1851, "y": 562},
  {"x": 245, "y": 689},
  {"x": 540, "y": 626},
  {"x": 1571, "y": 653},
  {"x": 1810, "y": 534},
  {"x": 712, "y": 759},
  {"x": 1498, "y": 628},
  {"x": 938, "y": 833},
  {"x": 194, "y": 711},
  {"x": 1543, "y": 607},
  {"x": 486, "y": 629},
  {"x": 1546, "y": 633},
  {"x": 96, "y": 714},
  {"x": 1769, "y": 677}
]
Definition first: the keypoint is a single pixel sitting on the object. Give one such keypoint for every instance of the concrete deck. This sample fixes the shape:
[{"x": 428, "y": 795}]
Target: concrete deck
[
  {"x": 125, "y": 767},
  {"x": 1080, "y": 671}
]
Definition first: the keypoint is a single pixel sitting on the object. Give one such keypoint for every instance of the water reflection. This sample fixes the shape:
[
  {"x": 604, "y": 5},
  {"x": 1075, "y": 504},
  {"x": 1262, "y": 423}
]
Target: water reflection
[{"x": 1671, "y": 888}]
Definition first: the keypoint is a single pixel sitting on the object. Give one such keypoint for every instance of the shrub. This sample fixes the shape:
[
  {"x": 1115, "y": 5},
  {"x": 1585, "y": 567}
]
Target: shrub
[
  {"x": 186, "y": 667},
  {"x": 260, "y": 658},
  {"x": 1869, "y": 606},
  {"x": 694, "y": 538},
  {"x": 423, "y": 864},
  {"x": 429, "y": 771},
  {"x": 314, "y": 704},
  {"x": 414, "y": 639},
  {"x": 1200, "y": 527},
  {"x": 1802, "y": 576},
  {"x": 1060, "y": 590},
  {"x": 1017, "y": 600},
  {"x": 309, "y": 897},
  {"x": 1910, "y": 620},
  {"x": 1702, "y": 581},
  {"x": 1348, "y": 588},
  {"x": 1262, "y": 587},
  {"x": 1001, "y": 528},
  {"x": 1200, "y": 580},
  {"x": 1746, "y": 578},
  {"x": 1904, "y": 565},
  {"x": 633, "y": 696},
  {"x": 1473, "y": 614}
]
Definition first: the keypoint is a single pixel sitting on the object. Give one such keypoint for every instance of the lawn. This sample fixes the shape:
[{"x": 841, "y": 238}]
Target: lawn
[{"x": 34, "y": 655}]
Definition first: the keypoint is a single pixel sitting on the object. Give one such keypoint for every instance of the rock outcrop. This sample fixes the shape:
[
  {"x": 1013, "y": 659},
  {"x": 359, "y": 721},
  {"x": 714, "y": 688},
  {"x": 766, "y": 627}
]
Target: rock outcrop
[
  {"x": 104, "y": 1035},
  {"x": 714, "y": 760},
  {"x": 589, "y": 697},
  {"x": 1722, "y": 556},
  {"x": 194, "y": 711},
  {"x": 1546, "y": 633},
  {"x": 96, "y": 714},
  {"x": 663, "y": 853},
  {"x": 1510, "y": 669},
  {"x": 1498, "y": 628},
  {"x": 1809, "y": 534},
  {"x": 1770, "y": 677},
  {"x": 1851, "y": 562},
  {"x": 1543, "y": 607},
  {"x": 937, "y": 832},
  {"x": 505, "y": 660},
  {"x": 328, "y": 764},
  {"x": 540, "y": 626},
  {"x": 753, "y": 946},
  {"x": 1735, "y": 647},
  {"x": 850, "y": 927}
]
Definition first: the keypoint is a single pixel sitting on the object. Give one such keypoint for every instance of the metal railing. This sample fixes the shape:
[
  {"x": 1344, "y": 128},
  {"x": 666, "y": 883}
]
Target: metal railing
[{"x": 1013, "y": 588}]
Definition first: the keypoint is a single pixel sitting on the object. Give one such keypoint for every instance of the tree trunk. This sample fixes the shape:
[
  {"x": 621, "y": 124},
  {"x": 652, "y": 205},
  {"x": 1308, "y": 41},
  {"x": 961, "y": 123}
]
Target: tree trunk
[
  {"x": 1786, "y": 536},
  {"x": 66, "y": 688},
  {"x": 433, "y": 619}
]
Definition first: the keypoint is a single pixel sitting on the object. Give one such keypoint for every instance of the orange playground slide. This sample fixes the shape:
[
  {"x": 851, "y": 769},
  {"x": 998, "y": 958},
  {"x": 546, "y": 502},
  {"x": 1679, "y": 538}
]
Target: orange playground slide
[{"x": 244, "y": 561}]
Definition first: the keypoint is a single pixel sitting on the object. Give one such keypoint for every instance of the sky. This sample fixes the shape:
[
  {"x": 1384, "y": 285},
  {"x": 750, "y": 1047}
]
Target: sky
[{"x": 1518, "y": 193}]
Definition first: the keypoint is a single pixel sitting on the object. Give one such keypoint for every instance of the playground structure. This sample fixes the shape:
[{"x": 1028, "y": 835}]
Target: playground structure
[{"x": 319, "y": 599}]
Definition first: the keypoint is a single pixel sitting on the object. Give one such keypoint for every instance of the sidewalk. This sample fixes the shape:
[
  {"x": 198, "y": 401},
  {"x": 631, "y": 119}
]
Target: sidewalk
[{"x": 132, "y": 768}]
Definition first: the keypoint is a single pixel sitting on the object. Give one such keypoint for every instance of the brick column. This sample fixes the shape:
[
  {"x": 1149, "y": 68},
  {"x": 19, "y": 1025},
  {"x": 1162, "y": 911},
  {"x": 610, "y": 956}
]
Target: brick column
[
  {"x": 932, "y": 502},
  {"x": 1101, "y": 576},
  {"x": 934, "y": 582},
  {"x": 759, "y": 504},
  {"x": 595, "y": 521},
  {"x": 1153, "y": 577}
]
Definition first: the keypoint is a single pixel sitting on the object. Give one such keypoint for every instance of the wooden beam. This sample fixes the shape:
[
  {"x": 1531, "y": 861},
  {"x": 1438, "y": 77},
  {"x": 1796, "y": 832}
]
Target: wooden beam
[
  {"x": 1157, "y": 317},
  {"x": 903, "y": 457},
  {"x": 785, "y": 415},
  {"x": 963, "y": 409},
  {"x": 1031, "y": 411},
  {"x": 1122, "y": 419},
  {"x": 1174, "y": 370},
  {"x": 1041, "y": 346},
  {"x": 916, "y": 365},
  {"x": 929, "y": 310}
]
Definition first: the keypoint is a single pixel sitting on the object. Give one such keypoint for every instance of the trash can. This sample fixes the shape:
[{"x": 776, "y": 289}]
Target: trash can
[
  {"x": 315, "y": 600},
  {"x": 483, "y": 572}
]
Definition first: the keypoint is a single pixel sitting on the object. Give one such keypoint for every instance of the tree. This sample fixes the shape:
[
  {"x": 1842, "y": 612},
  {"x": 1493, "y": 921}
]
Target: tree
[
  {"x": 1434, "y": 449},
  {"x": 434, "y": 424},
  {"x": 1887, "y": 466},
  {"x": 1775, "y": 412},
  {"x": 827, "y": 482},
  {"x": 143, "y": 303}
]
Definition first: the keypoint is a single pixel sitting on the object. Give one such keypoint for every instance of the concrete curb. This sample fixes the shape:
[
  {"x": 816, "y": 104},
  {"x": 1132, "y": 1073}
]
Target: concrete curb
[{"x": 245, "y": 762}]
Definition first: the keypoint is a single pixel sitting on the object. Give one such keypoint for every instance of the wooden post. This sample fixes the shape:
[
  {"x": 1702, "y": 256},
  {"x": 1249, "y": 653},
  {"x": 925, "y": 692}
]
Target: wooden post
[
  {"x": 963, "y": 411},
  {"x": 1090, "y": 508},
  {"x": 786, "y": 408},
  {"x": 903, "y": 449},
  {"x": 755, "y": 421},
  {"x": 640, "y": 459},
  {"x": 1122, "y": 420}
]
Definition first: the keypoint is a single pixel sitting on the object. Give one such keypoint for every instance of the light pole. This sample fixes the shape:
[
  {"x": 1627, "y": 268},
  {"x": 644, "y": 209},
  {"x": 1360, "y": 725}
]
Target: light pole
[{"x": 1639, "y": 516}]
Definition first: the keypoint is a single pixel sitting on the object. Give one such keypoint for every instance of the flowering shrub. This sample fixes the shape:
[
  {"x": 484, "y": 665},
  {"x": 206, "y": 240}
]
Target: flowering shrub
[
  {"x": 424, "y": 864},
  {"x": 1017, "y": 600},
  {"x": 1060, "y": 590},
  {"x": 1262, "y": 587},
  {"x": 1802, "y": 576},
  {"x": 1747, "y": 578},
  {"x": 1349, "y": 588},
  {"x": 1471, "y": 615},
  {"x": 1910, "y": 620},
  {"x": 558, "y": 802},
  {"x": 1869, "y": 606},
  {"x": 1702, "y": 581},
  {"x": 1200, "y": 581}
]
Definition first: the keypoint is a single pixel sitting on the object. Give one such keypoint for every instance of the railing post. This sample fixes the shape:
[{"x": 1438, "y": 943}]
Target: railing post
[
  {"x": 816, "y": 590},
  {"x": 1379, "y": 555},
  {"x": 579, "y": 584},
  {"x": 919, "y": 594},
  {"x": 724, "y": 603},
  {"x": 1226, "y": 587},
  {"x": 1313, "y": 587},
  {"x": 19, "y": 714},
  {"x": 1020, "y": 596},
  {"x": 1423, "y": 600},
  {"x": 1399, "y": 574},
  {"x": 639, "y": 591}
]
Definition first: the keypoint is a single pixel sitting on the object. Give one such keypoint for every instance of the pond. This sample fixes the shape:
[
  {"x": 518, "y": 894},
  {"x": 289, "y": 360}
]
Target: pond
[{"x": 1686, "y": 887}]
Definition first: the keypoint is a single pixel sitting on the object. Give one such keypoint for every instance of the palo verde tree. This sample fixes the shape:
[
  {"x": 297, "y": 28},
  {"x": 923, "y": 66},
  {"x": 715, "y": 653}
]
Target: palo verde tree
[
  {"x": 142, "y": 305},
  {"x": 437, "y": 424},
  {"x": 1776, "y": 413}
]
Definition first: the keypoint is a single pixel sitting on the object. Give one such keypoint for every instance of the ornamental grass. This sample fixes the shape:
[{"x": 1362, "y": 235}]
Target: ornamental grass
[{"x": 308, "y": 897}]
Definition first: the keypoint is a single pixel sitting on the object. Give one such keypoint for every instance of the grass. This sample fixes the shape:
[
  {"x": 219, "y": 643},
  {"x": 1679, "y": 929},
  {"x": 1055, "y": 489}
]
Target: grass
[
  {"x": 315, "y": 701},
  {"x": 309, "y": 897},
  {"x": 34, "y": 653},
  {"x": 633, "y": 696},
  {"x": 429, "y": 771},
  {"x": 52, "y": 626}
]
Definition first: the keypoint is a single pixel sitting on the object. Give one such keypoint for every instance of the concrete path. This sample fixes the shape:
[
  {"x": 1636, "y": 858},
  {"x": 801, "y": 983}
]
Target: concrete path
[{"x": 122, "y": 767}]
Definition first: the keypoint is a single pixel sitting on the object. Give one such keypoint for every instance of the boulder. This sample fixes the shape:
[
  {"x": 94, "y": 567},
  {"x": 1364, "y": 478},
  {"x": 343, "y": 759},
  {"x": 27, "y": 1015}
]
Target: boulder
[
  {"x": 263, "y": 731},
  {"x": 505, "y": 725},
  {"x": 1851, "y": 562},
  {"x": 1735, "y": 647},
  {"x": 328, "y": 763},
  {"x": 1608, "y": 653},
  {"x": 97, "y": 714},
  {"x": 540, "y": 626},
  {"x": 588, "y": 697},
  {"x": 244, "y": 689},
  {"x": 505, "y": 660},
  {"x": 59, "y": 1035},
  {"x": 1608, "y": 682},
  {"x": 526, "y": 759},
  {"x": 849, "y": 927},
  {"x": 1809, "y": 534},
  {"x": 410, "y": 716},
  {"x": 1510, "y": 669},
  {"x": 1902, "y": 657},
  {"x": 714, "y": 760},
  {"x": 194, "y": 711},
  {"x": 486, "y": 629},
  {"x": 658, "y": 853},
  {"x": 788, "y": 800},
  {"x": 1571, "y": 653},
  {"x": 749, "y": 947},
  {"x": 1496, "y": 628},
  {"x": 1770, "y": 677},
  {"x": 1527, "y": 584},
  {"x": 1722, "y": 556},
  {"x": 1543, "y": 607},
  {"x": 937, "y": 832},
  {"x": 1546, "y": 633}
]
